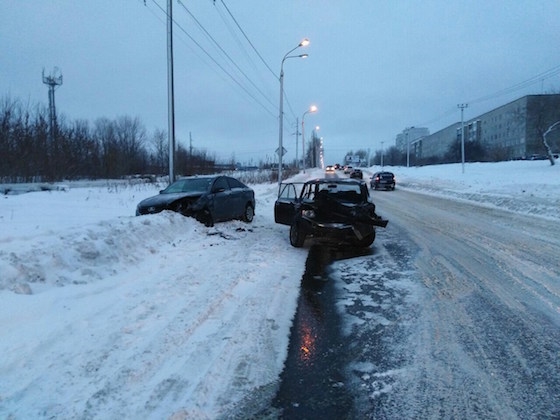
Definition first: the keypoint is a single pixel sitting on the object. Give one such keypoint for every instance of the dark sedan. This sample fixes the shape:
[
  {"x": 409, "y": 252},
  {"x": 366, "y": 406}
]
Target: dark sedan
[
  {"x": 357, "y": 173},
  {"x": 209, "y": 199},
  {"x": 384, "y": 180}
]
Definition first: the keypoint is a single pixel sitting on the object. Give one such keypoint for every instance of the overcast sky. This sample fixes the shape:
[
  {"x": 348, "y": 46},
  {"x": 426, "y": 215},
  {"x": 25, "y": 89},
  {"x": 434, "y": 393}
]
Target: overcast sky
[{"x": 374, "y": 67}]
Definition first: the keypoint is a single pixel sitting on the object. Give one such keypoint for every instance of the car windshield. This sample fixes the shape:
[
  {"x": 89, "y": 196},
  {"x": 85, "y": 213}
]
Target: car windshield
[{"x": 189, "y": 185}]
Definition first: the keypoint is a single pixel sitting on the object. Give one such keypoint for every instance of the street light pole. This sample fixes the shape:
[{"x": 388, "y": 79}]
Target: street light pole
[
  {"x": 407, "y": 149},
  {"x": 312, "y": 108},
  {"x": 462, "y": 107},
  {"x": 280, "y": 150},
  {"x": 408, "y": 146}
]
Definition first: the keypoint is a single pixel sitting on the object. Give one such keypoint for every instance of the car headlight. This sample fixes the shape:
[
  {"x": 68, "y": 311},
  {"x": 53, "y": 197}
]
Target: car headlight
[{"x": 308, "y": 213}]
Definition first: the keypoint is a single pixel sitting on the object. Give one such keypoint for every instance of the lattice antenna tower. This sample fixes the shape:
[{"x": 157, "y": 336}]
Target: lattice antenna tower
[{"x": 52, "y": 81}]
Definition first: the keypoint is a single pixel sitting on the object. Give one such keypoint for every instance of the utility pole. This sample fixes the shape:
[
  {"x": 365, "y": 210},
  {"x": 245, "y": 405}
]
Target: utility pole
[
  {"x": 52, "y": 81},
  {"x": 190, "y": 143},
  {"x": 462, "y": 107},
  {"x": 190, "y": 164},
  {"x": 407, "y": 148},
  {"x": 303, "y": 142},
  {"x": 170, "y": 93},
  {"x": 382, "y": 151},
  {"x": 297, "y": 138}
]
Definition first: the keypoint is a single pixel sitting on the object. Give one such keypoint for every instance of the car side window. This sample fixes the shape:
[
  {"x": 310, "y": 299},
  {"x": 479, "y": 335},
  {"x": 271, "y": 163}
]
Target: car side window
[
  {"x": 308, "y": 192},
  {"x": 288, "y": 192},
  {"x": 220, "y": 184},
  {"x": 234, "y": 183}
]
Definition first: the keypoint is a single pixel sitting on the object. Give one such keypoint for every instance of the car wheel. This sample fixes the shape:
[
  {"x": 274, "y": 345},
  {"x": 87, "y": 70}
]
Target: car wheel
[
  {"x": 205, "y": 217},
  {"x": 179, "y": 208},
  {"x": 366, "y": 241},
  {"x": 297, "y": 237},
  {"x": 249, "y": 213}
]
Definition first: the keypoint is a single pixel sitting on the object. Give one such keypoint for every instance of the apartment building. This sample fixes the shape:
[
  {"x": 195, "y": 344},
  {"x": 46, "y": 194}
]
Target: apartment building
[{"x": 511, "y": 131}]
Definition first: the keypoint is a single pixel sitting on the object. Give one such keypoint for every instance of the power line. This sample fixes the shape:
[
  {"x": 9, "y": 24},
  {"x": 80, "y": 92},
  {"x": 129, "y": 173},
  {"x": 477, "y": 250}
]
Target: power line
[
  {"x": 518, "y": 86},
  {"x": 531, "y": 81},
  {"x": 224, "y": 52},
  {"x": 248, "y": 40},
  {"x": 216, "y": 62},
  {"x": 234, "y": 32},
  {"x": 258, "y": 54}
]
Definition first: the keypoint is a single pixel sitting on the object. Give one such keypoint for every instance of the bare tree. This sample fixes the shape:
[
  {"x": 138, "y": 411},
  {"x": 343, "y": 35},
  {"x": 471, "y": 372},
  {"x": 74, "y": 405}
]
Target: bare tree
[
  {"x": 553, "y": 127},
  {"x": 104, "y": 134},
  {"x": 161, "y": 150},
  {"x": 131, "y": 135}
]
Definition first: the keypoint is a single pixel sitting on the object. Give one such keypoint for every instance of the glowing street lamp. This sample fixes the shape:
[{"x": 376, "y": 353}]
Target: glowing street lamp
[{"x": 280, "y": 150}]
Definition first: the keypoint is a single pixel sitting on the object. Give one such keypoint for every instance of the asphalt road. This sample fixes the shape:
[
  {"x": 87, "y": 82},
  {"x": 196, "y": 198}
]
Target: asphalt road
[
  {"x": 484, "y": 340},
  {"x": 454, "y": 312}
]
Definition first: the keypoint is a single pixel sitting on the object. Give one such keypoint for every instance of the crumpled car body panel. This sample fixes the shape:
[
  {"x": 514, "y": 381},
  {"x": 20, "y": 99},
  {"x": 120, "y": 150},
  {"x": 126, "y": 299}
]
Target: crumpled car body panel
[{"x": 332, "y": 209}]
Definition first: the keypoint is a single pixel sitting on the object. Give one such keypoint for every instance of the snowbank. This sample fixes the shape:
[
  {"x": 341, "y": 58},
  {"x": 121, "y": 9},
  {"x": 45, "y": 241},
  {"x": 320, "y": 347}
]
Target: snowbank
[
  {"x": 107, "y": 315},
  {"x": 530, "y": 187}
]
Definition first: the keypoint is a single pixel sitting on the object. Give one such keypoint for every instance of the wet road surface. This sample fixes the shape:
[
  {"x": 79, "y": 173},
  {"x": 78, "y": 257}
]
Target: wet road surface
[
  {"x": 313, "y": 379},
  {"x": 454, "y": 312}
]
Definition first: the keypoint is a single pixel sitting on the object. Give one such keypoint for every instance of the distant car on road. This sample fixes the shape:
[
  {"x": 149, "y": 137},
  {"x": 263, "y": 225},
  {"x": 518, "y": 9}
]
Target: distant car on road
[
  {"x": 357, "y": 173},
  {"x": 336, "y": 210},
  {"x": 329, "y": 169},
  {"x": 348, "y": 169},
  {"x": 209, "y": 199},
  {"x": 384, "y": 180}
]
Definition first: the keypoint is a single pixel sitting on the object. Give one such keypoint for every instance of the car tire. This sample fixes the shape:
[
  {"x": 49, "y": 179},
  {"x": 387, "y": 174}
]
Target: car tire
[
  {"x": 249, "y": 213},
  {"x": 179, "y": 208},
  {"x": 205, "y": 217},
  {"x": 297, "y": 236},
  {"x": 366, "y": 241}
]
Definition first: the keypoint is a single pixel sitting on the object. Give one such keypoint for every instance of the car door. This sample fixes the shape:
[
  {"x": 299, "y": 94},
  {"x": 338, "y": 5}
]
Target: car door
[
  {"x": 285, "y": 205},
  {"x": 221, "y": 200},
  {"x": 237, "y": 198}
]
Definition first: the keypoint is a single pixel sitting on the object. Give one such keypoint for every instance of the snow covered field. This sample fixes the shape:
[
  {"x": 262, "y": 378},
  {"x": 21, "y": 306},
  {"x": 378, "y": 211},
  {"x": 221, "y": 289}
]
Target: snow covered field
[{"x": 107, "y": 315}]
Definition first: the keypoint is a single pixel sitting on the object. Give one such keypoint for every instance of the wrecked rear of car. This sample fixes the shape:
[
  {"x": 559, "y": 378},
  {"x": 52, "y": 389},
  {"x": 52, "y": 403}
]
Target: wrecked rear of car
[{"x": 335, "y": 210}]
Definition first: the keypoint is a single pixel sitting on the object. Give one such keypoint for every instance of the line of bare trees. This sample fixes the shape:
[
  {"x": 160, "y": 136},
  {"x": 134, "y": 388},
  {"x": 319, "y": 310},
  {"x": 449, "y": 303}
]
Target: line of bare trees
[{"x": 105, "y": 149}]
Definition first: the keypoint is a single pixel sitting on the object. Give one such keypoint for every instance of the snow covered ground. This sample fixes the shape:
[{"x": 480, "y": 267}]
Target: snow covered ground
[
  {"x": 530, "y": 187},
  {"x": 107, "y": 315}
]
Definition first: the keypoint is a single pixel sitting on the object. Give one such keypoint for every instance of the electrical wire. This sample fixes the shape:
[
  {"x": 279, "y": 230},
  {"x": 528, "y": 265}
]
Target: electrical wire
[
  {"x": 518, "y": 86},
  {"x": 234, "y": 32},
  {"x": 215, "y": 61},
  {"x": 263, "y": 61},
  {"x": 229, "y": 58},
  {"x": 531, "y": 81},
  {"x": 248, "y": 40},
  {"x": 224, "y": 52}
]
